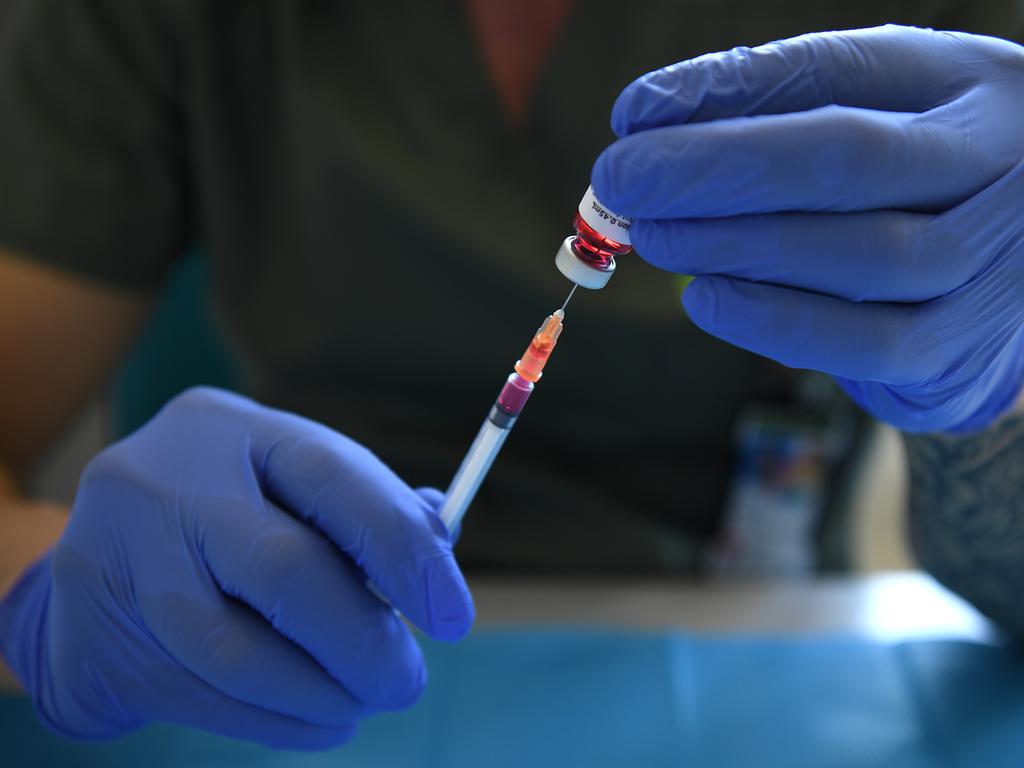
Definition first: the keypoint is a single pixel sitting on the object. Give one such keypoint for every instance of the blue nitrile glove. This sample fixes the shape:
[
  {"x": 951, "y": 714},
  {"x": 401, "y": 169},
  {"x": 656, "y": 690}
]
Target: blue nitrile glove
[
  {"x": 851, "y": 202},
  {"x": 213, "y": 574}
]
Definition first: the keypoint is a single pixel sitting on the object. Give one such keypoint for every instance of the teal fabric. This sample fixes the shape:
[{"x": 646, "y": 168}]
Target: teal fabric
[
  {"x": 179, "y": 348},
  {"x": 595, "y": 698}
]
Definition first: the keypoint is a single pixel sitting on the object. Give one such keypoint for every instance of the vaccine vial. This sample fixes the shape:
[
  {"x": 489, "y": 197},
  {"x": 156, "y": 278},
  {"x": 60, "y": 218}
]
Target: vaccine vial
[{"x": 588, "y": 257}]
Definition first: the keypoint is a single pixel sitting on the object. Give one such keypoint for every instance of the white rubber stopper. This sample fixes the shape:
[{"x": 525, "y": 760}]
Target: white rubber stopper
[{"x": 578, "y": 271}]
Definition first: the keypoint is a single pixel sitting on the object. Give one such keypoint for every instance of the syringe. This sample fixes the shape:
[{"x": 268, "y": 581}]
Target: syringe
[
  {"x": 506, "y": 409},
  {"x": 587, "y": 259},
  {"x": 499, "y": 421}
]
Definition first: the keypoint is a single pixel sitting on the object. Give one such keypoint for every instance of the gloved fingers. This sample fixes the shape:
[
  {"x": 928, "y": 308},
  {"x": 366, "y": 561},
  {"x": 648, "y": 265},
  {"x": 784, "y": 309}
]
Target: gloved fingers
[
  {"x": 211, "y": 710},
  {"x": 827, "y": 159},
  {"x": 946, "y": 405},
  {"x": 236, "y": 651},
  {"x": 892, "y": 68},
  {"x": 312, "y": 594},
  {"x": 873, "y": 255},
  {"x": 941, "y": 411},
  {"x": 860, "y": 341},
  {"x": 435, "y": 499},
  {"x": 345, "y": 491}
]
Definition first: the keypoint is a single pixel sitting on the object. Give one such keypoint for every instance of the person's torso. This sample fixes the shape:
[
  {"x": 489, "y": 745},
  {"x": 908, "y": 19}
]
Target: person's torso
[{"x": 382, "y": 247}]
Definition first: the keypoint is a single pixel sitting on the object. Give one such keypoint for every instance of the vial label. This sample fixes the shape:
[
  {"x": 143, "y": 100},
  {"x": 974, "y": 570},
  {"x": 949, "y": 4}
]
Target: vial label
[{"x": 603, "y": 221}]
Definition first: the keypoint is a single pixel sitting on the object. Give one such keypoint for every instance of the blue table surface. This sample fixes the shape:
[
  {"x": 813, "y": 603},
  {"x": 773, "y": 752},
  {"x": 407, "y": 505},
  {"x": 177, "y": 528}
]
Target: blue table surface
[{"x": 599, "y": 698}]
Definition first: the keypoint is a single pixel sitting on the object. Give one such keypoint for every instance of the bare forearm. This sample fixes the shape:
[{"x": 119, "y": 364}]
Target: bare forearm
[
  {"x": 27, "y": 530},
  {"x": 60, "y": 338},
  {"x": 967, "y": 515}
]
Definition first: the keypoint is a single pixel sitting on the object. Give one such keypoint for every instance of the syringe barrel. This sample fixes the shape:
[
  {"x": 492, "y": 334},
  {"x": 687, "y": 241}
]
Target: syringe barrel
[
  {"x": 481, "y": 454},
  {"x": 474, "y": 468}
]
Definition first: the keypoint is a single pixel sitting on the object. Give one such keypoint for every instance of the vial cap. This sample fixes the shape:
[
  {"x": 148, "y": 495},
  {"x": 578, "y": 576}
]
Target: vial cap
[{"x": 578, "y": 271}]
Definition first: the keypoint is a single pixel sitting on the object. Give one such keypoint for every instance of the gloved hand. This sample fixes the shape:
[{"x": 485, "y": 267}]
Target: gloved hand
[
  {"x": 851, "y": 202},
  {"x": 213, "y": 574}
]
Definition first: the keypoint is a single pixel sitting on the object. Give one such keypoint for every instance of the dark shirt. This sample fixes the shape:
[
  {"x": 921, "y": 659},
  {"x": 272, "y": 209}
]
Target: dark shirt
[{"x": 381, "y": 242}]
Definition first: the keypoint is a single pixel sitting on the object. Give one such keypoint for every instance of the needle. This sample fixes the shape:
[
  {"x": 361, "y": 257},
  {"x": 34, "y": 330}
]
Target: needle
[{"x": 566, "y": 302}]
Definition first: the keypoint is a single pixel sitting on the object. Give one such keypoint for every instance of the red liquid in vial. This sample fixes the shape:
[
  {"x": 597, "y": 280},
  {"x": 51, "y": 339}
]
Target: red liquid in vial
[{"x": 593, "y": 248}]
